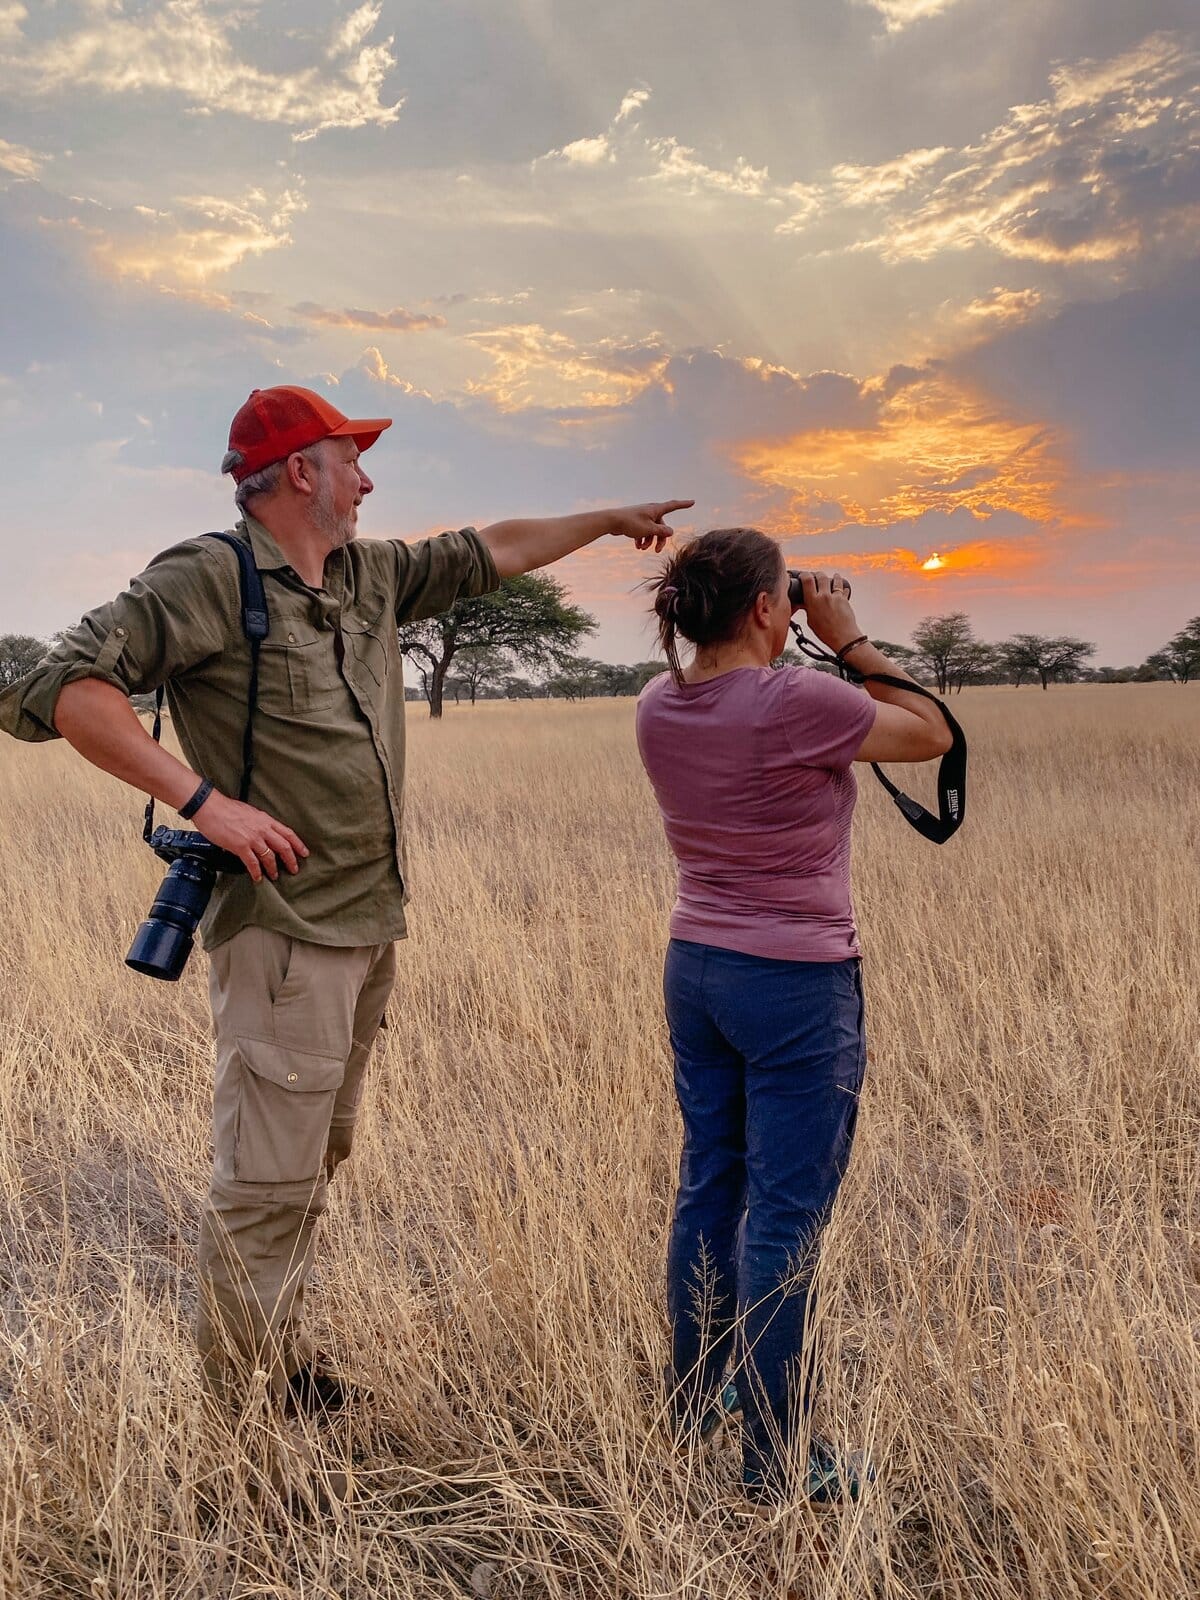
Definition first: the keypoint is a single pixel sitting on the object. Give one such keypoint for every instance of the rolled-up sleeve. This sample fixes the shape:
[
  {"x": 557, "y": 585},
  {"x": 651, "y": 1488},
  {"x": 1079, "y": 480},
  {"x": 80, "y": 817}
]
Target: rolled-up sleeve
[
  {"x": 433, "y": 573},
  {"x": 168, "y": 621}
]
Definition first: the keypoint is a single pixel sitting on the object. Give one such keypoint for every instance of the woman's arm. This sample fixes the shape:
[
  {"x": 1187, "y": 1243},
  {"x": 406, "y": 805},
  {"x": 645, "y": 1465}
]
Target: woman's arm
[{"x": 907, "y": 727}]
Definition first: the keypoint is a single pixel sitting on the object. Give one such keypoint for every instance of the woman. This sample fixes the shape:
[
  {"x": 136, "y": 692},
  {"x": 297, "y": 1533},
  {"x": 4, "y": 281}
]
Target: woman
[{"x": 751, "y": 768}]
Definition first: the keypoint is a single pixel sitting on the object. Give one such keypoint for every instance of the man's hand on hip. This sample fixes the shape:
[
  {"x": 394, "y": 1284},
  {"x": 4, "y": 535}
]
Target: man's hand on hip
[{"x": 255, "y": 837}]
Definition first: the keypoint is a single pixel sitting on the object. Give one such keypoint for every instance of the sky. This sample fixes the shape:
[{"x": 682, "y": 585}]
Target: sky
[{"x": 910, "y": 284}]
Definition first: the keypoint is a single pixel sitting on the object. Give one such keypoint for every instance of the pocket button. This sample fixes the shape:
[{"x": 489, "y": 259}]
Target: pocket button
[{"x": 292, "y": 1076}]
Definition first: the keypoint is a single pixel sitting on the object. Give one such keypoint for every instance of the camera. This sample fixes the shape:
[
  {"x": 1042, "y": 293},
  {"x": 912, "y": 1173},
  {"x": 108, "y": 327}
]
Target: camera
[
  {"x": 796, "y": 589},
  {"x": 163, "y": 943}
]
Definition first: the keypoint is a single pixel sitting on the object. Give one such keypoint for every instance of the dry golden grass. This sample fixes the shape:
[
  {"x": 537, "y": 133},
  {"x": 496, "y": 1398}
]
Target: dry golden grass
[{"x": 1012, "y": 1278}]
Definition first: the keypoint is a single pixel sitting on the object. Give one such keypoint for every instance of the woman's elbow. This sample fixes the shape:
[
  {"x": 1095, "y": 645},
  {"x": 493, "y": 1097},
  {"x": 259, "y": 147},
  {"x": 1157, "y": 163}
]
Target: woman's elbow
[{"x": 942, "y": 739}]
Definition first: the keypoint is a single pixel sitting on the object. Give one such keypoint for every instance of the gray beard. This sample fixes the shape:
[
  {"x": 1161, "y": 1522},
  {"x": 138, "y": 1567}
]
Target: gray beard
[{"x": 338, "y": 531}]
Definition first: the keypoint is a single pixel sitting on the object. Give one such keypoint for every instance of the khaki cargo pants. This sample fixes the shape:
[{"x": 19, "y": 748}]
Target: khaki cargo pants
[{"x": 294, "y": 1023}]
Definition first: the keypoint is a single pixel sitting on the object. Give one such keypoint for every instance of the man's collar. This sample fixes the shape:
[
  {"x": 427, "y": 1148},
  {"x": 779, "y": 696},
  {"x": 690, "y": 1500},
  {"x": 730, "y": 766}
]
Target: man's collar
[{"x": 268, "y": 557}]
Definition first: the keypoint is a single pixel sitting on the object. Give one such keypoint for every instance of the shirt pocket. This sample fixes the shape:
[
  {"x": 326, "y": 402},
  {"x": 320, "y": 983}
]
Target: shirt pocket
[
  {"x": 369, "y": 634},
  {"x": 298, "y": 670}
]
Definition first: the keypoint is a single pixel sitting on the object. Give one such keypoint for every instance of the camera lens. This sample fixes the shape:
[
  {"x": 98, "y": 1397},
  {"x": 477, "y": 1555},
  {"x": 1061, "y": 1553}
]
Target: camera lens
[{"x": 163, "y": 943}]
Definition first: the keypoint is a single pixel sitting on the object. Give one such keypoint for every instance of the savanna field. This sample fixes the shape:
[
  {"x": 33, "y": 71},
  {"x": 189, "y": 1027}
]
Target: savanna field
[{"x": 1012, "y": 1280}]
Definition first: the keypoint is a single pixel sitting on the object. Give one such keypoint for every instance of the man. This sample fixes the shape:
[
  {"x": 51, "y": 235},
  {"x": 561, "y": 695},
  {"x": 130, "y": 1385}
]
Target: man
[{"x": 302, "y": 958}]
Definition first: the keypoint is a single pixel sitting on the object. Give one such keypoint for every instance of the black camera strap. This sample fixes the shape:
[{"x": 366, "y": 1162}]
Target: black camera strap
[
  {"x": 256, "y": 624},
  {"x": 952, "y": 769}
]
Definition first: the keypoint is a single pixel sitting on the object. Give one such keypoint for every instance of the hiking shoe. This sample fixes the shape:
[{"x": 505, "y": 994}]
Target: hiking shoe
[
  {"x": 834, "y": 1478},
  {"x": 727, "y": 1407},
  {"x": 314, "y": 1391},
  {"x": 830, "y": 1479}
]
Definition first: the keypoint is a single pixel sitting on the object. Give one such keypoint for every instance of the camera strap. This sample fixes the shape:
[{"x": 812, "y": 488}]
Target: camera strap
[
  {"x": 256, "y": 624},
  {"x": 952, "y": 769}
]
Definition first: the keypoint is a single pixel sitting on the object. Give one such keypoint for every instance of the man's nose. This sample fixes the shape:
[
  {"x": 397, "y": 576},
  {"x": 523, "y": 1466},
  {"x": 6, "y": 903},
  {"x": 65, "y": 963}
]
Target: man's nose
[{"x": 365, "y": 483}]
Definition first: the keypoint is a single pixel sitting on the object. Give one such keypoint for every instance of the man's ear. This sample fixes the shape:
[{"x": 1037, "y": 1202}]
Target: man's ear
[
  {"x": 762, "y": 609},
  {"x": 301, "y": 473}
]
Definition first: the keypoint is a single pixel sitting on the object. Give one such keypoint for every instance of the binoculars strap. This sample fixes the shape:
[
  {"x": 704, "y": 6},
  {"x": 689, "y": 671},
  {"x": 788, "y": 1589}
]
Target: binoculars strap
[
  {"x": 256, "y": 624},
  {"x": 952, "y": 769}
]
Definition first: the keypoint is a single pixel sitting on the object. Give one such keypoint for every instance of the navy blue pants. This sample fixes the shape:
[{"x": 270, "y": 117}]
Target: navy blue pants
[{"x": 769, "y": 1062}]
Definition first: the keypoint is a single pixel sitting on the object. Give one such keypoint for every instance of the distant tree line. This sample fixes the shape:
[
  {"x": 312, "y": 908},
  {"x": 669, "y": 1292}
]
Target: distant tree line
[
  {"x": 521, "y": 642},
  {"x": 946, "y": 650}
]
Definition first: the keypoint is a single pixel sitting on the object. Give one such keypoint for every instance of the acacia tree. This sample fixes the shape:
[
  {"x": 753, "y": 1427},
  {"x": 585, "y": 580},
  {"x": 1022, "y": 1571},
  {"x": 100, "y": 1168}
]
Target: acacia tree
[
  {"x": 528, "y": 621},
  {"x": 977, "y": 662},
  {"x": 19, "y": 654},
  {"x": 474, "y": 664},
  {"x": 944, "y": 646},
  {"x": 1027, "y": 654},
  {"x": 1179, "y": 659},
  {"x": 577, "y": 678}
]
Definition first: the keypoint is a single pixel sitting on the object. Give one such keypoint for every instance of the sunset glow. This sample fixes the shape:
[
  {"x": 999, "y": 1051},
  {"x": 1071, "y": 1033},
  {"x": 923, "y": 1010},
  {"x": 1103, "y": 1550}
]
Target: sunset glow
[
  {"x": 934, "y": 564},
  {"x": 933, "y": 446}
]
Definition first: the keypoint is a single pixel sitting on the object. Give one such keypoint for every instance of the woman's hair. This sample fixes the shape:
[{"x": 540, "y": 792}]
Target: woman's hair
[{"x": 708, "y": 587}]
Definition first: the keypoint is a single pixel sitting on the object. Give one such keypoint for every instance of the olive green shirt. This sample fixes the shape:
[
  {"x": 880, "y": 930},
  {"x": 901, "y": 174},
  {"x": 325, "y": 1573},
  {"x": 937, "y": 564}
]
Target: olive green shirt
[{"x": 329, "y": 720}]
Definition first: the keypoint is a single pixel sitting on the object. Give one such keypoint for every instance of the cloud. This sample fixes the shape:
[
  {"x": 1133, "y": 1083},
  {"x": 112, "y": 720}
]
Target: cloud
[
  {"x": 395, "y": 321},
  {"x": 372, "y": 365},
  {"x": 1004, "y": 307},
  {"x": 353, "y": 32},
  {"x": 935, "y": 445},
  {"x": 20, "y": 161},
  {"x": 900, "y": 14},
  {"x": 929, "y": 565},
  {"x": 12, "y": 16},
  {"x": 1106, "y": 169},
  {"x": 186, "y": 48},
  {"x": 631, "y": 104},
  {"x": 665, "y": 160},
  {"x": 1123, "y": 375},
  {"x": 1102, "y": 173},
  {"x": 197, "y": 238},
  {"x": 592, "y": 150},
  {"x": 534, "y": 367},
  {"x": 864, "y": 186},
  {"x": 586, "y": 152}
]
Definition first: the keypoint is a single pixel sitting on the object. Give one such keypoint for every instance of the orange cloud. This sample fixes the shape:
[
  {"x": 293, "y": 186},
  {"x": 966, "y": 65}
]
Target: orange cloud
[
  {"x": 935, "y": 447},
  {"x": 976, "y": 557}
]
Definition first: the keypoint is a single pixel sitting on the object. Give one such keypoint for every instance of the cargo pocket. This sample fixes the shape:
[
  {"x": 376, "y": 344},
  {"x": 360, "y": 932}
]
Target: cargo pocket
[{"x": 285, "y": 1103}]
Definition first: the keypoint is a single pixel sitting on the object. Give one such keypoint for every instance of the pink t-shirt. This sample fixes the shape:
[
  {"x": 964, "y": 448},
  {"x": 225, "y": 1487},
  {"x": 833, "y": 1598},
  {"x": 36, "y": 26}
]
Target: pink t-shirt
[{"x": 752, "y": 774}]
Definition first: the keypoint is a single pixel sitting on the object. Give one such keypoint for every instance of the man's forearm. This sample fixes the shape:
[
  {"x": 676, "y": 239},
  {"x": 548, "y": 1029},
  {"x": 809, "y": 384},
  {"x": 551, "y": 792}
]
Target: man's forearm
[
  {"x": 524, "y": 543},
  {"x": 98, "y": 720}
]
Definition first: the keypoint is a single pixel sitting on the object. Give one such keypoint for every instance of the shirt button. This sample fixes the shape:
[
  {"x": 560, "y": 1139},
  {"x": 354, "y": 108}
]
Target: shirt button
[
  {"x": 291, "y": 638},
  {"x": 120, "y": 632},
  {"x": 292, "y": 1076}
]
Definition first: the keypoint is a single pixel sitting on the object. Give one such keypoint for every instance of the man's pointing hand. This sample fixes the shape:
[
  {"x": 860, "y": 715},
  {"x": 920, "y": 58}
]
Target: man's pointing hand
[{"x": 645, "y": 525}]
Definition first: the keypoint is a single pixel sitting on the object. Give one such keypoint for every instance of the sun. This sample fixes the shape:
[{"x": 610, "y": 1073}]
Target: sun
[{"x": 934, "y": 564}]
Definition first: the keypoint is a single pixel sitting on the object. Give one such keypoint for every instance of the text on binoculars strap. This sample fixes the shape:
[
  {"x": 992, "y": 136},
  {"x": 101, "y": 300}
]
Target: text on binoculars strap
[
  {"x": 952, "y": 769},
  {"x": 256, "y": 624}
]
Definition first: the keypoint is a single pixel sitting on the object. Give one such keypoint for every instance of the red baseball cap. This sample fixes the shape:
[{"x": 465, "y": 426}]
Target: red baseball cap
[{"x": 274, "y": 422}]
